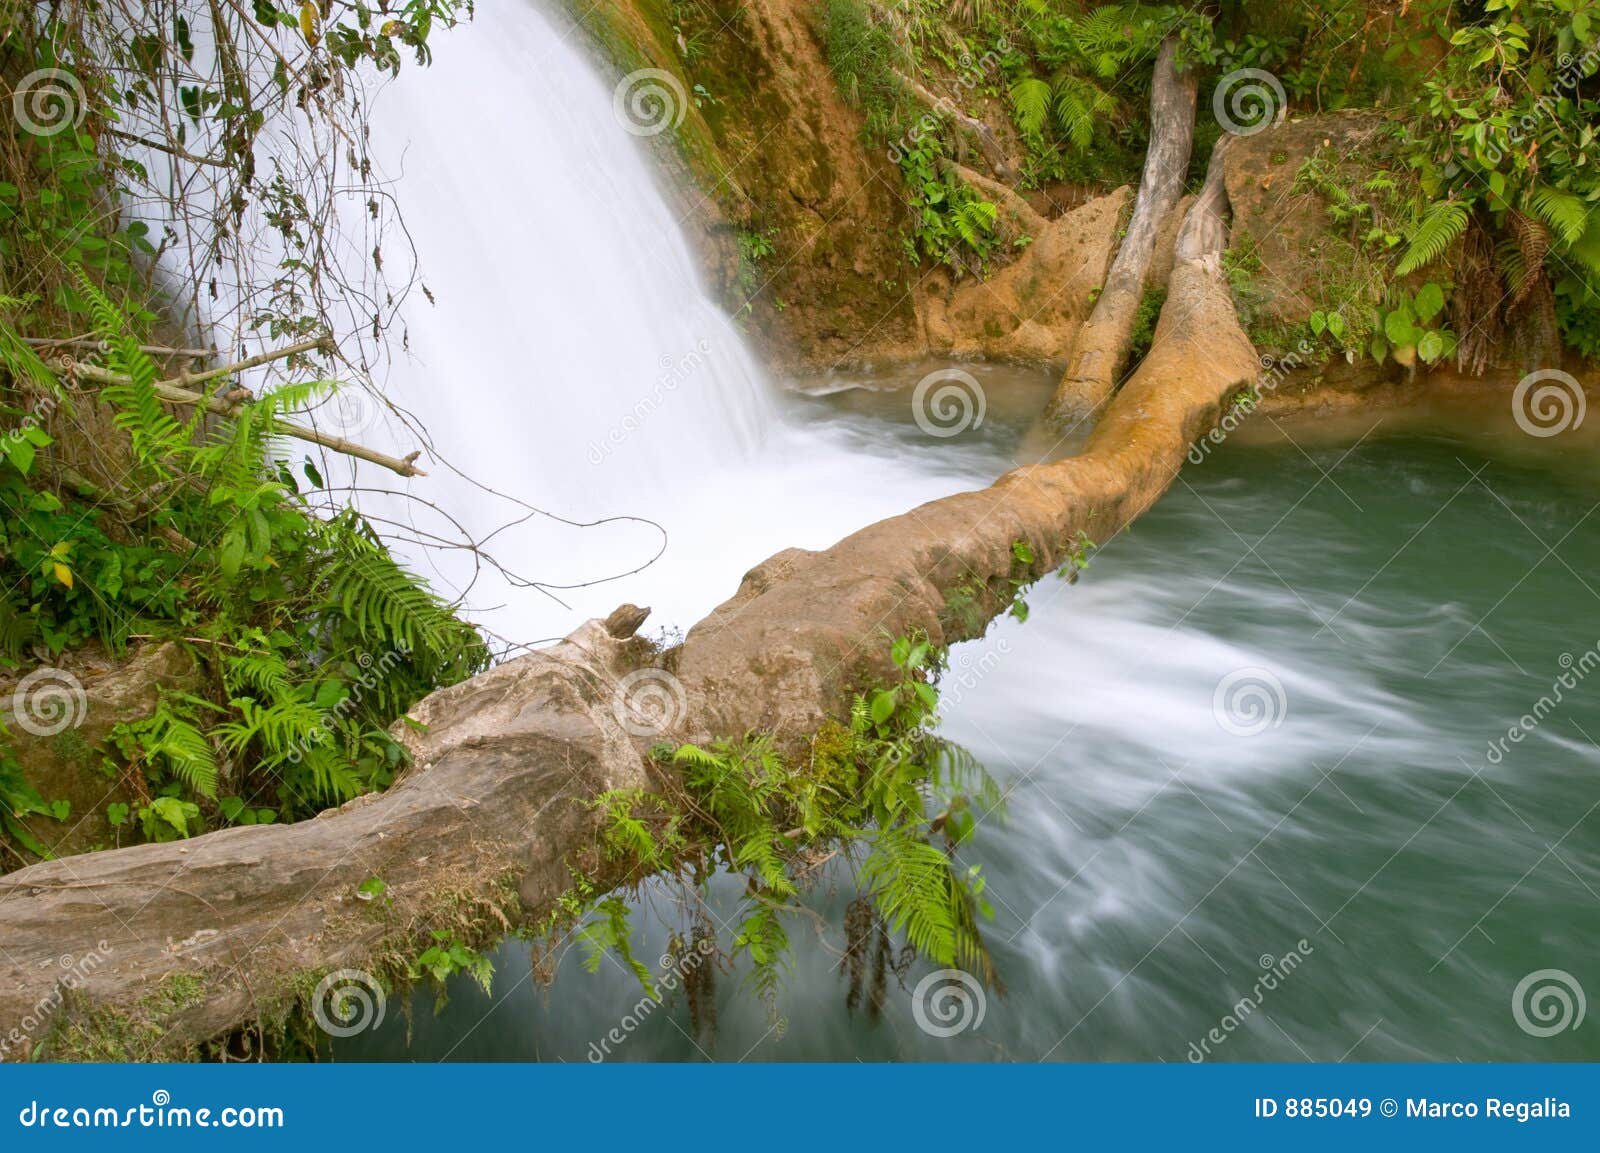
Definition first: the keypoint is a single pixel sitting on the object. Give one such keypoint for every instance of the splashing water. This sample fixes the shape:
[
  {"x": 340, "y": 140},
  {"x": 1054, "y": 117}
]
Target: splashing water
[{"x": 573, "y": 359}]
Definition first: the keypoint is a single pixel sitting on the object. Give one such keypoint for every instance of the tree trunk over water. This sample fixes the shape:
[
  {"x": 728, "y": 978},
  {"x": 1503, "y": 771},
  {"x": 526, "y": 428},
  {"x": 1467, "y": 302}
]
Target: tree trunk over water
[
  {"x": 195, "y": 939},
  {"x": 1101, "y": 346}
]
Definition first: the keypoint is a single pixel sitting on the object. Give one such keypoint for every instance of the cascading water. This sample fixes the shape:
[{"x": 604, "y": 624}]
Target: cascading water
[
  {"x": 572, "y": 358},
  {"x": 574, "y": 361}
]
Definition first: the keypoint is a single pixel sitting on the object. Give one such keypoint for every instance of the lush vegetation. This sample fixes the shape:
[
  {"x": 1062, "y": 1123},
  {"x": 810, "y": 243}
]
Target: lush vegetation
[
  {"x": 881, "y": 790},
  {"x": 1483, "y": 183},
  {"x": 123, "y": 516}
]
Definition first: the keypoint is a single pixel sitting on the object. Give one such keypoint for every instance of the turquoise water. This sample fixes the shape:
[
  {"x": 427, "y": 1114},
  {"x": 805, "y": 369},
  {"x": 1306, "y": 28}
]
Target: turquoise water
[{"x": 1381, "y": 605}]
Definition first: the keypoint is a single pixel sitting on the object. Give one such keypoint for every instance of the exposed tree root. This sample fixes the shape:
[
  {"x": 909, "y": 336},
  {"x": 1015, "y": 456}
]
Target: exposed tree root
[
  {"x": 490, "y": 828},
  {"x": 1100, "y": 349}
]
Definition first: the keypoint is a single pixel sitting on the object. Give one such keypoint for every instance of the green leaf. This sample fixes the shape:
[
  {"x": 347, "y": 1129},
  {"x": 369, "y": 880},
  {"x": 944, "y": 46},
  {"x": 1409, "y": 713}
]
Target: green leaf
[
  {"x": 1429, "y": 301},
  {"x": 20, "y": 453},
  {"x": 1398, "y": 328},
  {"x": 883, "y": 705},
  {"x": 1430, "y": 347}
]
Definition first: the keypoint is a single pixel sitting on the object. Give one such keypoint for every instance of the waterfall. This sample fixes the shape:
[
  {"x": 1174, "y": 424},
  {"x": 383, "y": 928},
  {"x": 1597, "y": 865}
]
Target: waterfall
[
  {"x": 571, "y": 356},
  {"x": 572, "y": 360}
]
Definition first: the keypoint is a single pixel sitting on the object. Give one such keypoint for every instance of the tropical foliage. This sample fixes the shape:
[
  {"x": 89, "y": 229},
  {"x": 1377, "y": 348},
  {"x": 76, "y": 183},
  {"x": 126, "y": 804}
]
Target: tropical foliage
[
  {"x": 124, "y": 515},
  {"x": 882, "y": 789}
]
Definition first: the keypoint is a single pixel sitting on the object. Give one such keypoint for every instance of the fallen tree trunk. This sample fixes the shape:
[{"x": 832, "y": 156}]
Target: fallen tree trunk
[
  {"x": 1101, "y": 347},
  {"x": 989, "y": 144},
  {"x": 487, "y": 831}
]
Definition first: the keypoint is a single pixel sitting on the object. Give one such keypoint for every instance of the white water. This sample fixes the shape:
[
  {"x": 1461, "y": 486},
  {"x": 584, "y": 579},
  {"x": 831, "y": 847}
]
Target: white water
[{"x": 574, "y": 360}]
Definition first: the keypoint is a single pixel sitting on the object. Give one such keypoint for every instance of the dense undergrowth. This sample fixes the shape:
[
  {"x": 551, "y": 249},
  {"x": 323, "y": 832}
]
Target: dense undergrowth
[
  {"x": 126, "y": 519},
  {"x": 1483, "y": 182}
]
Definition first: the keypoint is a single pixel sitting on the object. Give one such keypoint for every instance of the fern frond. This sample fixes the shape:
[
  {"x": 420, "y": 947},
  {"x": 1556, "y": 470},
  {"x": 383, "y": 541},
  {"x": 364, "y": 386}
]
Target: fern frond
[
  {"x": 1441, "y": 225},
  {"x": 1079, "y": 106},
  {"x": 912, "y": 887},
  {"x": 183, "y": 748},
  {"x": 22, "y": 363},
  {"x": 612, "y": 933},
  {"x": 1030, "y": 101},
  {"x": 155, "y": 434},
  {"x": 394, "y": 611},
  {"x": 1566, "y": 212}
]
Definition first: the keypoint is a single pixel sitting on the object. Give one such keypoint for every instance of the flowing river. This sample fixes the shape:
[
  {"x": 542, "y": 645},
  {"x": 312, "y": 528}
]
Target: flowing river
[
  {"x": 1269, "y": 733},
  {"x": 1302, "y": 768}
]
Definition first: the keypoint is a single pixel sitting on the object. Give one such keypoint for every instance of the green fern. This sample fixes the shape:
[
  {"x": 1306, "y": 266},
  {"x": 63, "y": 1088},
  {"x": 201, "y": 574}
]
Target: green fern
[
  {"x": 1030, "y": 101},
  {"x": 1441, "y": 225},
  {"x": 1565, "y": 212},
  {"x": 174, "y": 742},
  {"x": 1079, "y": 106},
  {"x": 974, "y": 219},
  {"x": 611, "y": 932},
  {"x": 156, "y": 435},
  {"x": 918, "y": 892}
]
